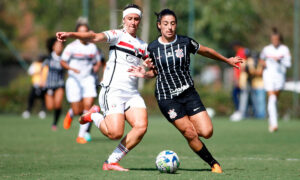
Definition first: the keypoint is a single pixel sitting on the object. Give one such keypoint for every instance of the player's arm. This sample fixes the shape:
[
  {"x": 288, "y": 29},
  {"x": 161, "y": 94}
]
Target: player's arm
[
  {"x": 66, "y": 66},
  {"x": 86, "y": 36},
  {"x": 212, "y": 54}
]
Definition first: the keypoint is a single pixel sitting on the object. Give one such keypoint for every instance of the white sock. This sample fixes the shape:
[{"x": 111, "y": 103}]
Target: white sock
[
  {"x": 97, "y": 119},
  {"x": 83, "y": 127},
  {"x": 118, "y": 154},
  {"x": 71, "y": 112},
  {"x": 272, "y": 110}
]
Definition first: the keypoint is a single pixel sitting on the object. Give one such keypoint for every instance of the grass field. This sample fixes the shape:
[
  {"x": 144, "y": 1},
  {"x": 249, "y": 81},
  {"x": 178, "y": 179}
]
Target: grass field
[{"x": 30, "y": 150}]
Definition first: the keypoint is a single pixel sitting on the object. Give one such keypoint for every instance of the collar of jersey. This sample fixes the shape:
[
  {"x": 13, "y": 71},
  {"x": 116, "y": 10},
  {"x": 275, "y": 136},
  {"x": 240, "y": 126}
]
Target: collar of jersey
[{"x": 159, "y": 40}]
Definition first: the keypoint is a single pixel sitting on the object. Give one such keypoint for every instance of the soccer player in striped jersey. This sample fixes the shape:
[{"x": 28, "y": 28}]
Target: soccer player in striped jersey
[
  {"x": 78, "y": 58},
  {"x": 175, "y": 93},
  {"x": 55, "y": 80},
  {"x": 275, "y": 58},
  {"x": 119, "y": 97}
]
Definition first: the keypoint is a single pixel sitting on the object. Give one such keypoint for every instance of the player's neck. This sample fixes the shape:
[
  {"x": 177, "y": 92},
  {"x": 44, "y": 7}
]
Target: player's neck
[{"x": 167, "y": 40}]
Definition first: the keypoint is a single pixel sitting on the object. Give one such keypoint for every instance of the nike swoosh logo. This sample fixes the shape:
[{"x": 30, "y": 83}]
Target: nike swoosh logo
[{"x": 196, "y": 109}]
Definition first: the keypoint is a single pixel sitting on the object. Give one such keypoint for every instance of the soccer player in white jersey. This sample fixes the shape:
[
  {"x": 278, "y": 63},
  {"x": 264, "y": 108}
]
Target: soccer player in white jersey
[
  {"x": 119, "y": 97},
  {"x": 78, "y": 58},
  {"x": 275, "y": 58}
]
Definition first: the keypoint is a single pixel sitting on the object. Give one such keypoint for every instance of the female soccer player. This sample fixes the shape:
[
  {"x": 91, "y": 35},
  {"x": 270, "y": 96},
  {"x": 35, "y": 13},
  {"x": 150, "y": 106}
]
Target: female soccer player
[
  {"x": 55, "y": 79},
  {"x": 276, "y": 58},
  {"x": 119, "y": 97},
  {"x": 78, "y": 58},
  {"x": 175, "y": 93}
]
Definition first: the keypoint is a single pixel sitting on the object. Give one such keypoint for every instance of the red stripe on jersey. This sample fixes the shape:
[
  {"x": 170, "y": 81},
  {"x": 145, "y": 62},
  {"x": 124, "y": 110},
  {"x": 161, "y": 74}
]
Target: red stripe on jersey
[
  {"x": 122, "y": 43},
  {"x": 83, "y": 55}
]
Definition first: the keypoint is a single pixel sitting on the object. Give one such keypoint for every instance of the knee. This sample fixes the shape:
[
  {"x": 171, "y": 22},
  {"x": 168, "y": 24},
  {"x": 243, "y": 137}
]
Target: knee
[
  {"x": 190, "y": 133},
  {"x": 207, "y": 133},
  {"x": 115, "y": 135},
  {"x": 141, "y": 130}
]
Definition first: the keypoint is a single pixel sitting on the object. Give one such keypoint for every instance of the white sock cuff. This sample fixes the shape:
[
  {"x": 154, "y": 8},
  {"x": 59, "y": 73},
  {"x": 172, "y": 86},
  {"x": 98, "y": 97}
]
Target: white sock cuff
[{"x": 97, "y": 119}]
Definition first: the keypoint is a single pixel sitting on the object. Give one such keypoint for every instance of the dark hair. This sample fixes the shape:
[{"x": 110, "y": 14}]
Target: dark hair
[
  {"x": 50, "y": 42},
  {"x": 163, "y": 13},
  {"x": 132, "y": 6},
  {"x": 277, "y": 33},
  {"x": 78, "y": 25}
]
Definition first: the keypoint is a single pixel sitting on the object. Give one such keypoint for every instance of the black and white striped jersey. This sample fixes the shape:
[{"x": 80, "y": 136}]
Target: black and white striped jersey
[
  {"x": 55, "y": 77},
  {"x": 172, "y": 61}
]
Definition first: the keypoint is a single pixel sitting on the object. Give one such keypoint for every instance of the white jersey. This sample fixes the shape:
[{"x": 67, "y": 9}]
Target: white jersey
[
  {"x": 124, "y": 52},
  {"x": 275, "y": 68},
  {"x": 80, "y": 56}
]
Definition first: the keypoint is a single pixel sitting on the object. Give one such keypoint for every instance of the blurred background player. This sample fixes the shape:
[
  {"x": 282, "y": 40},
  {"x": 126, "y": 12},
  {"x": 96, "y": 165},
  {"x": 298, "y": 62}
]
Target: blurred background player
[
  {"x": 38, "y": 79},
  {"x": 87, "y": 135},
  {"x": 240, "y": 51},
  {"x": 119, "y": 97},
  {"x": 275, "y": 58},
  {"x": 55, "y": 79},
  {"x": 78, "y": 58}
]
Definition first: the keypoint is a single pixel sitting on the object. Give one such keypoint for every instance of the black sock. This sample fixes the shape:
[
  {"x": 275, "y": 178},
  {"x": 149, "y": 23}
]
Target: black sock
[
  {"x": 206, "y": 156},
  {"x": 89, "y": 128},
  {"x": 56, "y": 116}
]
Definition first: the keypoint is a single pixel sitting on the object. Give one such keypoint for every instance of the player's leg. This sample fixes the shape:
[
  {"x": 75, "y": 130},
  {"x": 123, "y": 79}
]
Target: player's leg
[
  {"x": 138, "y": 120},
  {"x": 73, "y": 94},
  {"x": 202, "y": 123},
  {"x": 58, "y": 98},
  {"x": 272, "y": 110},
  {"x": 187, "y": 129},
  {"x": 49, "y": 99}
]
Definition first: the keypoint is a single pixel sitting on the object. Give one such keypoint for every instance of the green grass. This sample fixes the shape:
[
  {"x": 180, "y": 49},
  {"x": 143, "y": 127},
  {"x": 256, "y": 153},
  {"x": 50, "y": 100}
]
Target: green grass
[{"x": 30, "y": 150}]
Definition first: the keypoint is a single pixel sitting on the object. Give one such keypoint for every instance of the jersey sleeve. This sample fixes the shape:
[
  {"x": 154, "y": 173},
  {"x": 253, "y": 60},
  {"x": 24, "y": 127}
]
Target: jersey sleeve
[
  {"x": 193, "y": 46},
  {"x": 286, "y": 60},
  {"x": 66, "y": 55},
  {"x": 112, "y": 36}
]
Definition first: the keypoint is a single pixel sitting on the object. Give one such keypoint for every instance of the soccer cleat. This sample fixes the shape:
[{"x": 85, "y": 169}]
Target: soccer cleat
[
  {"x": 273, "y": 129},
  {"x": 26, "y": 114},
  {"x": 54, "y": 127},
  {"x": 216, "y": 168},
  {"x": 42, "y": 114},
  {"x": 113, "y": 166},
  {"x": 85, "y": 118},
  {"x": 81, "y": 140},
  {"x": 87, "y": 137},
  {"x": 67, "y": 121}
]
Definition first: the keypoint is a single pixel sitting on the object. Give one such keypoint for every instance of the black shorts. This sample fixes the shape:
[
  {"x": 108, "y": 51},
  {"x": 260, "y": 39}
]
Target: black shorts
[{"x": 188, "y": 103}]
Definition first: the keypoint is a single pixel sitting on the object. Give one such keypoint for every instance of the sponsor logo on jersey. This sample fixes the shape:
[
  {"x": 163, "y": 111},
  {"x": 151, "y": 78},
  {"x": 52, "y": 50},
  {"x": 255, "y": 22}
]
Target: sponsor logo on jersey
[
  {"x": 172, "y": 113},
  {"x": 179, "y": 53},
  {"x": 179, "y": 90}
]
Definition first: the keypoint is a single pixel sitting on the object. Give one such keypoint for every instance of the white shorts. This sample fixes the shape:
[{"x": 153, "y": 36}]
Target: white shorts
[
  {"x": 273, "y": 83},
  {"x": 77, "y": 89},
  {"x": 114, "y": 101}
]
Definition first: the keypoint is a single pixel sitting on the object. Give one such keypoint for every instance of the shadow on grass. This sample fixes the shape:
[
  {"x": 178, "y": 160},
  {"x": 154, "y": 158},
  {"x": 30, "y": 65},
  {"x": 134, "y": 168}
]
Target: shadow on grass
[{"x": 154, "y": 169}]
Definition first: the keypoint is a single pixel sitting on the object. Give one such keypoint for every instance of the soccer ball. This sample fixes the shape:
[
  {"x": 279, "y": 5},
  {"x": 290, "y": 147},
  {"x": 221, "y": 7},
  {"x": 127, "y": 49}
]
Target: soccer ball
[{"x": 167, "y": 161}]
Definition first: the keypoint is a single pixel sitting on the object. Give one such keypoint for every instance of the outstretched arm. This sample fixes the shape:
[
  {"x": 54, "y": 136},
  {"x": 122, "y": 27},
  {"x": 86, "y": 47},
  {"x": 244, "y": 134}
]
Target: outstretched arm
[
  {"x": 212, "y": 54},
  {"x": 86, "y": 36}
]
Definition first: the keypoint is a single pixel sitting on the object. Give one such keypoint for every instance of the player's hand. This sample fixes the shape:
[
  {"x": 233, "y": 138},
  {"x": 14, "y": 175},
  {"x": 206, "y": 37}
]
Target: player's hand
[
  {"x": 234, "y": 61},
  {"x": 148, "y": 63},
  {"x": 75, "y": 70},
  {"x": 137, "y": 71},
  {"x": 62, "y": 36}
]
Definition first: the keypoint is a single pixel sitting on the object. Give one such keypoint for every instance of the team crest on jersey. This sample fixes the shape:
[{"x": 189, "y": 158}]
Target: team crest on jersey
[
  {"x": 179, "y": 53},
  {"x": 172, "y": 113}
]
